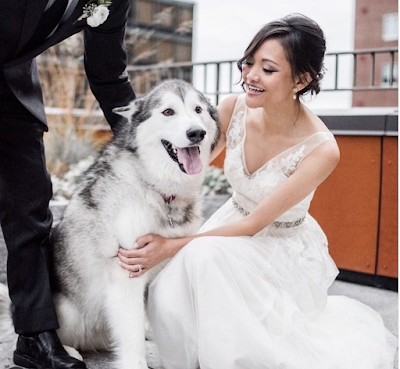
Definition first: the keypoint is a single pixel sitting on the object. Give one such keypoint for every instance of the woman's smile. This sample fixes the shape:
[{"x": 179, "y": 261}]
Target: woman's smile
[{"x": 251, "y": 89}]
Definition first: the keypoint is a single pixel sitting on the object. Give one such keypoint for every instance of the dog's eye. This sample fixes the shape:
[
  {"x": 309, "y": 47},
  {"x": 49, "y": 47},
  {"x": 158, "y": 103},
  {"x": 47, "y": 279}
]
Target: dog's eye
[
  {"x": 168, "y": 112},
  {"x": 198, "y": 109}
]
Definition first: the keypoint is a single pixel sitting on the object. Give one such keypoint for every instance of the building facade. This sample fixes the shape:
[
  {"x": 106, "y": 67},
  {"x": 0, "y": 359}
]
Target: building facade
[
  {"x": 376, "y": 26},
  {"x": 159, "y": 32}
]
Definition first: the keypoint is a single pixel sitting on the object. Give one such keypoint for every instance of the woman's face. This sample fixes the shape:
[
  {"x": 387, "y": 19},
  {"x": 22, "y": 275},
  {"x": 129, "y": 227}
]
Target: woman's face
[{"x": 267, "y": 76}]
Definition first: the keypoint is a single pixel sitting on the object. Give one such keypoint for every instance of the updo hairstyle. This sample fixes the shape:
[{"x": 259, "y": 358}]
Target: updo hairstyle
[{"x": 304, "y": 45}]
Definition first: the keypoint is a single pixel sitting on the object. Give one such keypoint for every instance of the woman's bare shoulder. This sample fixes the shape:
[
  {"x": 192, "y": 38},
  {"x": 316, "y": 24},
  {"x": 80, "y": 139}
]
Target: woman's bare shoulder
[
  {"x": 227, "y": 105},
  {"x": 314, "y": 123}
]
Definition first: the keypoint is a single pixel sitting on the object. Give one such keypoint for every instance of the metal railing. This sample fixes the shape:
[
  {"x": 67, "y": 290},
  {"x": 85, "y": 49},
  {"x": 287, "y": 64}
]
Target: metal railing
[
  {"x": 373, "y": 54},
  {"x": 345, "y": 71},
  {"x": 218, "y": 78}
]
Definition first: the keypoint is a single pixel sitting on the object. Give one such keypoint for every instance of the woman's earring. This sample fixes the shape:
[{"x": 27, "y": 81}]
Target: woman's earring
[{"x": 294, "y": 93}]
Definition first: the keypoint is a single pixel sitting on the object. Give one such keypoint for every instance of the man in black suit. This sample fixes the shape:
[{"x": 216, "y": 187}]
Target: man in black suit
[{"x": 27, "y": 28}]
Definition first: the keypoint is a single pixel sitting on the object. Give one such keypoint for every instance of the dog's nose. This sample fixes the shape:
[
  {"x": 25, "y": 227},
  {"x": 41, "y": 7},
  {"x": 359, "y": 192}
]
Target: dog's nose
[{"x": 195, "y": 135}]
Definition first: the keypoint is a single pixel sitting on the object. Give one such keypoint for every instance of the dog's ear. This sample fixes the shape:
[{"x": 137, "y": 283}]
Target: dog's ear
[
  {"x": 130, "y": 110},
  {"x": 212, "y": 110}
]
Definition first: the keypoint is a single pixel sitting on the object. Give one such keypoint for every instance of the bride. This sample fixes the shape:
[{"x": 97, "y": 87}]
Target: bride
[{"x": 250, "y": 289}]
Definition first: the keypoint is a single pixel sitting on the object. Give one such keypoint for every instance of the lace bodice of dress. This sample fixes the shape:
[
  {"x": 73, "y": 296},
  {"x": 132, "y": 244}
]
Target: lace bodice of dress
[{"x": 250, "y": 189}]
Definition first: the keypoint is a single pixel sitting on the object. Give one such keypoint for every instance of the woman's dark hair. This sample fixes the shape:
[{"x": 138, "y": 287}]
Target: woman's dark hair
[{"x": 304, "y": 45}]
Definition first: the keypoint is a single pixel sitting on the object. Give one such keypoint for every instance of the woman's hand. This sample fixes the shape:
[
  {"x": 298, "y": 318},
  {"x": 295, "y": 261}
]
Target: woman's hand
[{"x": 149, "y": 251}]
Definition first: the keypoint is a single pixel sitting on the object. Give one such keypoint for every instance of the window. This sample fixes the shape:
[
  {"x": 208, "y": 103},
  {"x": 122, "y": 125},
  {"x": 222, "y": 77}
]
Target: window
[
  {"x": 164, "y": 51},
  {"x": 385, "y": 74},
  {"x": 185, "y": 25},
  {"x": 390, "y": 27},
  {"x": 183, "y": 52},
  {"x": 145, "y": 12},
  {"x": 164, "y": 16}
]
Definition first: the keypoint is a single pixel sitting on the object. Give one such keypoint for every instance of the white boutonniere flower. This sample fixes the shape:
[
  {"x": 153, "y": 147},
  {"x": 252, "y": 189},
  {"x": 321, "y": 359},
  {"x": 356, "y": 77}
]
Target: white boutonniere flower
[{"x": 96, "y": 12}]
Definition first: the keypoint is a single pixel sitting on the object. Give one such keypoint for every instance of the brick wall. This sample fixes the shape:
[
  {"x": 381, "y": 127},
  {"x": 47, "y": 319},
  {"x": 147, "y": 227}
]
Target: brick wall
[{"x": 368, "y": 34}]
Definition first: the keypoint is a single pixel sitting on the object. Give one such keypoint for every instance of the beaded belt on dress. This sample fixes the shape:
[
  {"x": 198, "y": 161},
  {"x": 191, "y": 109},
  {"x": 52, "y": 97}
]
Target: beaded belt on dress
[{"x": 276, "y": 224}]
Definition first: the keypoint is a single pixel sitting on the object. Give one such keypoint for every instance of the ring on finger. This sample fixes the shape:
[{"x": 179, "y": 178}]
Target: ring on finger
[{"x": 139, "y": 268}]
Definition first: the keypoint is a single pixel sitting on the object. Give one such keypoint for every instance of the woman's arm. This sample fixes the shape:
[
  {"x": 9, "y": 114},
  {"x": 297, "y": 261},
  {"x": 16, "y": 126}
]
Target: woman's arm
[{"x": 315, "y": 168}]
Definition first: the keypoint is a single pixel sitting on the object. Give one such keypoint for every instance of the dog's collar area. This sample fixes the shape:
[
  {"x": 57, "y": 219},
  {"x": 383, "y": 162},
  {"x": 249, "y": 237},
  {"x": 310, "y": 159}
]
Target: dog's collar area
[{"x": 168, "y": 198}]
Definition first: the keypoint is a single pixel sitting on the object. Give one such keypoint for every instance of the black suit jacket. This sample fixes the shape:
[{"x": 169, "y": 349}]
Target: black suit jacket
[{"x": 104, "y": 58}]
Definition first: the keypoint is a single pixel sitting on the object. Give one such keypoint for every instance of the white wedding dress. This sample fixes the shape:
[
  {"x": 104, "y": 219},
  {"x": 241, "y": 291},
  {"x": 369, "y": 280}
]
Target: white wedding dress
[{"x": 261, "y": 302}]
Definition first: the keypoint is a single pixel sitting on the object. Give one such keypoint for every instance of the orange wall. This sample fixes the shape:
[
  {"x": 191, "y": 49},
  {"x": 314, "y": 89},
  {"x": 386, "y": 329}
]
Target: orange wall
[
  {"x": 388, "y": 230},
  {"x": 347, "y": 204},
  {"x": 357, "y": 206}
]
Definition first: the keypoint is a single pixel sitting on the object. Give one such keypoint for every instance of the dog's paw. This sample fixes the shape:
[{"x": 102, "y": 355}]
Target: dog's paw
[
  {"x": 148, "y": 330},
  {"x": 73, "y": 353},
  {"x": 131, "y": 362},
  {"x": 140, "y": 364},
  {"x": 152, "y": 357}
]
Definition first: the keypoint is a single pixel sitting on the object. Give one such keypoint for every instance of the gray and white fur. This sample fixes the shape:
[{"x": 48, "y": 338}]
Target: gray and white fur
[{"x": 162, "y": 151}]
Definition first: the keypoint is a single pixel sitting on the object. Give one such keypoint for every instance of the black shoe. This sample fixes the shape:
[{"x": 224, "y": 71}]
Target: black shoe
[{"x": 44, "y": 351}]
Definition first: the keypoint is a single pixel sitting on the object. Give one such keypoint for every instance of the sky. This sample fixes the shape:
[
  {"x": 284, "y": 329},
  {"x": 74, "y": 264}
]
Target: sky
[{"x": 224, "y": 28}]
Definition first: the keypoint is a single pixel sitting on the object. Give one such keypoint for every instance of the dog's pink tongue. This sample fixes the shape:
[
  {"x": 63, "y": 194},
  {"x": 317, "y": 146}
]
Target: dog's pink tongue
[{"x": 190, "y": 158}]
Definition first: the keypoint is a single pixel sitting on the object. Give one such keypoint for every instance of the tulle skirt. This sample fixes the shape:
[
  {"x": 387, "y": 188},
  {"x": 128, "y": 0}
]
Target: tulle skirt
[{"x": 261, "y": 303}]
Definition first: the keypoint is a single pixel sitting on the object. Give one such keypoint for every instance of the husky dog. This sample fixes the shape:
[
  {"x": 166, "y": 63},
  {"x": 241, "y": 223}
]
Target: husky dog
[{"x": 147, "y": 179}]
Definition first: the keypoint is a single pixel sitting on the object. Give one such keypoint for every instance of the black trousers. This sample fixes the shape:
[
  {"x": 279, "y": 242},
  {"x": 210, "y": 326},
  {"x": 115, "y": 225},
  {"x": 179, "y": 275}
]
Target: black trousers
[{"x": 25, "y": 192}]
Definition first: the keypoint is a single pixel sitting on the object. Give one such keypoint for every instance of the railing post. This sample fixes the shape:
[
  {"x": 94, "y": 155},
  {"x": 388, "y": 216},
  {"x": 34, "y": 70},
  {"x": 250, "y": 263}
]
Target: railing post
[
  {"x": 205, "y": 78},
  {"x": 372, "y": 69},
  {"x": 391, "y": 73},
  {"x": 336, "y": 70},
  {"x": 355, "y": 70},
  {"x": 230, "y": 77},
  {"x": 217, "y": 85}
]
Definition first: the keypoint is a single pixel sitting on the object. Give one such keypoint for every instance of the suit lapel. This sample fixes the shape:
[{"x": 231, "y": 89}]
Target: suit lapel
[
  {"x": 66, "y": 26},
  {"x": 34, "y": 11},
  {"x": 71, "y": 15},
  {"x": 66, "y": 29},
  {"x": 71, "y": 10}
]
